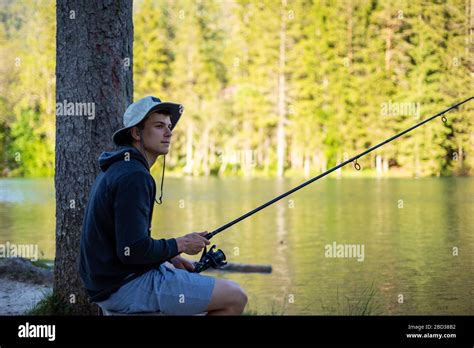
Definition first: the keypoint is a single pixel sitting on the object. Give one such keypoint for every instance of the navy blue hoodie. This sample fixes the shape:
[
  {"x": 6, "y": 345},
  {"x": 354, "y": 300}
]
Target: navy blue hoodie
[{"x": 116, "y": 245}]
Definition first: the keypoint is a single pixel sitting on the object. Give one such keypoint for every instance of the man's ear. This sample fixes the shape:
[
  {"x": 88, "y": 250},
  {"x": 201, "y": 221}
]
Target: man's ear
[{"x": 135, "y": 134}]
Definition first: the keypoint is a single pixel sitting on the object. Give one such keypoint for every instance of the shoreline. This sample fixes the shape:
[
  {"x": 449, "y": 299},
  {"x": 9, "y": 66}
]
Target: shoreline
[
  {"x": 22, "y": 285},
  {"x": 18, "y": 298}
]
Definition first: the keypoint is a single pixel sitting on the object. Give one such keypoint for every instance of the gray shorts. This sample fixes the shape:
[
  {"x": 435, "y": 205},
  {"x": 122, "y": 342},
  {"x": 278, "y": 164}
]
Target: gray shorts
[{"x": 167, "y": 290}]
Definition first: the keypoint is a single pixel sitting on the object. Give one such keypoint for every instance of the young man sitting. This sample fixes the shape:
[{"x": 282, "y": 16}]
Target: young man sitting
[{"x": 123, "y": 268}]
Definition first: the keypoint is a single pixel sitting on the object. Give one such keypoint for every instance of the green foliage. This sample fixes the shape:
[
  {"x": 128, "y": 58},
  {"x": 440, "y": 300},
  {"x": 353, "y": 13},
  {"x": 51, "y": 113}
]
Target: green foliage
[
  {"x": 43, "y": 263},
  {"x": 31, "y": 154},
  {"x": 50, "y": 304},
  {"x": 345, "y": 62},
  {"x": 28, "y": 90}
]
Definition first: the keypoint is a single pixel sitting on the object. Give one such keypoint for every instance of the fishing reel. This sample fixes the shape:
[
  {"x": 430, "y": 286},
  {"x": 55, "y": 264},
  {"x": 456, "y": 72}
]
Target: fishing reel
[{"x": 214, "y": 258}]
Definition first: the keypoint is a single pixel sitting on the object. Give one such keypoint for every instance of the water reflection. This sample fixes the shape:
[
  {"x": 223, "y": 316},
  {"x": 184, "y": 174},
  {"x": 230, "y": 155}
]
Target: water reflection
[{"x": 409, "y": 228}]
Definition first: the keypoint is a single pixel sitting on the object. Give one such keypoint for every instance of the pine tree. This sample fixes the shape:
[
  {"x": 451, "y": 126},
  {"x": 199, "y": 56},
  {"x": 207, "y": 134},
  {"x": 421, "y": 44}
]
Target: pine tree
[
  {"x": 199, "y": 78},
  {"x": 153, "y": 49}
]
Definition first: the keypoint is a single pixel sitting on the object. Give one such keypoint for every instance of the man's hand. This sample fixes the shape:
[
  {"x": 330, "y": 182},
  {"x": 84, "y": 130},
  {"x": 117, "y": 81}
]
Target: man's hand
[
  {"x": 182, "y": 263},
  {"x": 192, "y": 243}
]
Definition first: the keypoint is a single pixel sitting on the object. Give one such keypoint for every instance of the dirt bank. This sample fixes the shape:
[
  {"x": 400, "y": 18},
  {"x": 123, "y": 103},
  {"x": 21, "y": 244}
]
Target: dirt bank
[{"x": 22, "y": 285}]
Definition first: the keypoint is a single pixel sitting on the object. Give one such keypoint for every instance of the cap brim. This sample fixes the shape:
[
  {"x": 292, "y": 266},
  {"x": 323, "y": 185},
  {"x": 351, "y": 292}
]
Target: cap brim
[{"x": 120, "y": 137}]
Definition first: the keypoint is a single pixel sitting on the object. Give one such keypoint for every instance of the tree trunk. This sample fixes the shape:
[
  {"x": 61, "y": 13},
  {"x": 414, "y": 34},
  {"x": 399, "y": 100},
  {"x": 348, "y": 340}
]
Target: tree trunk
[
  {"x": 205, "y": 149},
  {"x": 261, "y": 149},
  {"x": 281, "y": 140},
  {"x": 245, "y": 165},
  {"x": 378, "y": 165},
  {"x": 460, "y": 161},
  {"x": 93, "y": 66},
  {"x": 324, "y": 162},
  {"x": 188, "y": 168},
  {"x": 385, "y": 165},
  {"x": 212, "y": 153},
  {"x": 307, "y": 166}
]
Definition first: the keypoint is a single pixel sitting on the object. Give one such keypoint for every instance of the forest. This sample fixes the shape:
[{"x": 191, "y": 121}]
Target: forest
[{"x": 269, "y": 88}]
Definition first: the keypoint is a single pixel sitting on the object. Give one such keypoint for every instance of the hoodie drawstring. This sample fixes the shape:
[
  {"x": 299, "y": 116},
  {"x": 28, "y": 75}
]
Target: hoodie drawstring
[{"x": 160, "y": 201}]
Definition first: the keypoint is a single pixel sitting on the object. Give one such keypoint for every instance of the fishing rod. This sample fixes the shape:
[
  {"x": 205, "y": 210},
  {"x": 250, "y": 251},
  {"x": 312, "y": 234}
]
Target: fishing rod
[{"x": 216, "y": 257}]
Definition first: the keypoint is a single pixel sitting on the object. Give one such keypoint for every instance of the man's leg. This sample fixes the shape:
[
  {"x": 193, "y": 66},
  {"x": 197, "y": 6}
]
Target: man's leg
[{"x": 228, "y": 298}]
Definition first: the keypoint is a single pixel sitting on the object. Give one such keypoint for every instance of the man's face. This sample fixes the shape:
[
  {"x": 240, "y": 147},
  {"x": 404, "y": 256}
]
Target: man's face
[{"x": 157, "y": 133}]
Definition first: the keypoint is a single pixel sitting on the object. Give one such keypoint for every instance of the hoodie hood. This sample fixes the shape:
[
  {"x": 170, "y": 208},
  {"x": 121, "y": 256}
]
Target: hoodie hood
[{"x": 107, "y": 158}]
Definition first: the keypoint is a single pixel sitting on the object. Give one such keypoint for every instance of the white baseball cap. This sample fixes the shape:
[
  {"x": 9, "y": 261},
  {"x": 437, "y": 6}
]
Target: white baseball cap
[{"x": 140, "y": 109}]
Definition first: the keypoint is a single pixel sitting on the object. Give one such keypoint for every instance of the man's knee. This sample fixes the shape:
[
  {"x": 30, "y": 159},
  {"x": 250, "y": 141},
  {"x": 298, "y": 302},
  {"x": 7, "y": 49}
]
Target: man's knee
[
  {"x": 228, "y": 296},
  {"x": 237, "y": 296}
]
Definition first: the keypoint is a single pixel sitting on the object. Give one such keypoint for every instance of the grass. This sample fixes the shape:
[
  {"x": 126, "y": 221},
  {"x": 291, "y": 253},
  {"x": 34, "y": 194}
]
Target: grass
[
  {"x": 46, "y": 264},
  {"x": 361, "y": 304},
  {"x": 274, "y": 309},
  {"x": 50, "y": 305}
]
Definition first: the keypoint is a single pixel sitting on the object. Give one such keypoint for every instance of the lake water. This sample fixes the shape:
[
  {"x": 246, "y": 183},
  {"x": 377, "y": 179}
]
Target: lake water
[{"x": 416, "y": 234}]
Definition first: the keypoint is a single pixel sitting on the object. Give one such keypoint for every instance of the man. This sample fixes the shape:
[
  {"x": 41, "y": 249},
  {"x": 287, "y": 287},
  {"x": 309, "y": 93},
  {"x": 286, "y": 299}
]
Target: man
[{"x": 122, "y": 267}]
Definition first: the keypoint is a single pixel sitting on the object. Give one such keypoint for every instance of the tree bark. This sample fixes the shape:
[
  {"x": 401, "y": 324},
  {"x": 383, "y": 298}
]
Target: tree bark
[{"x": 93, "y": 66}]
